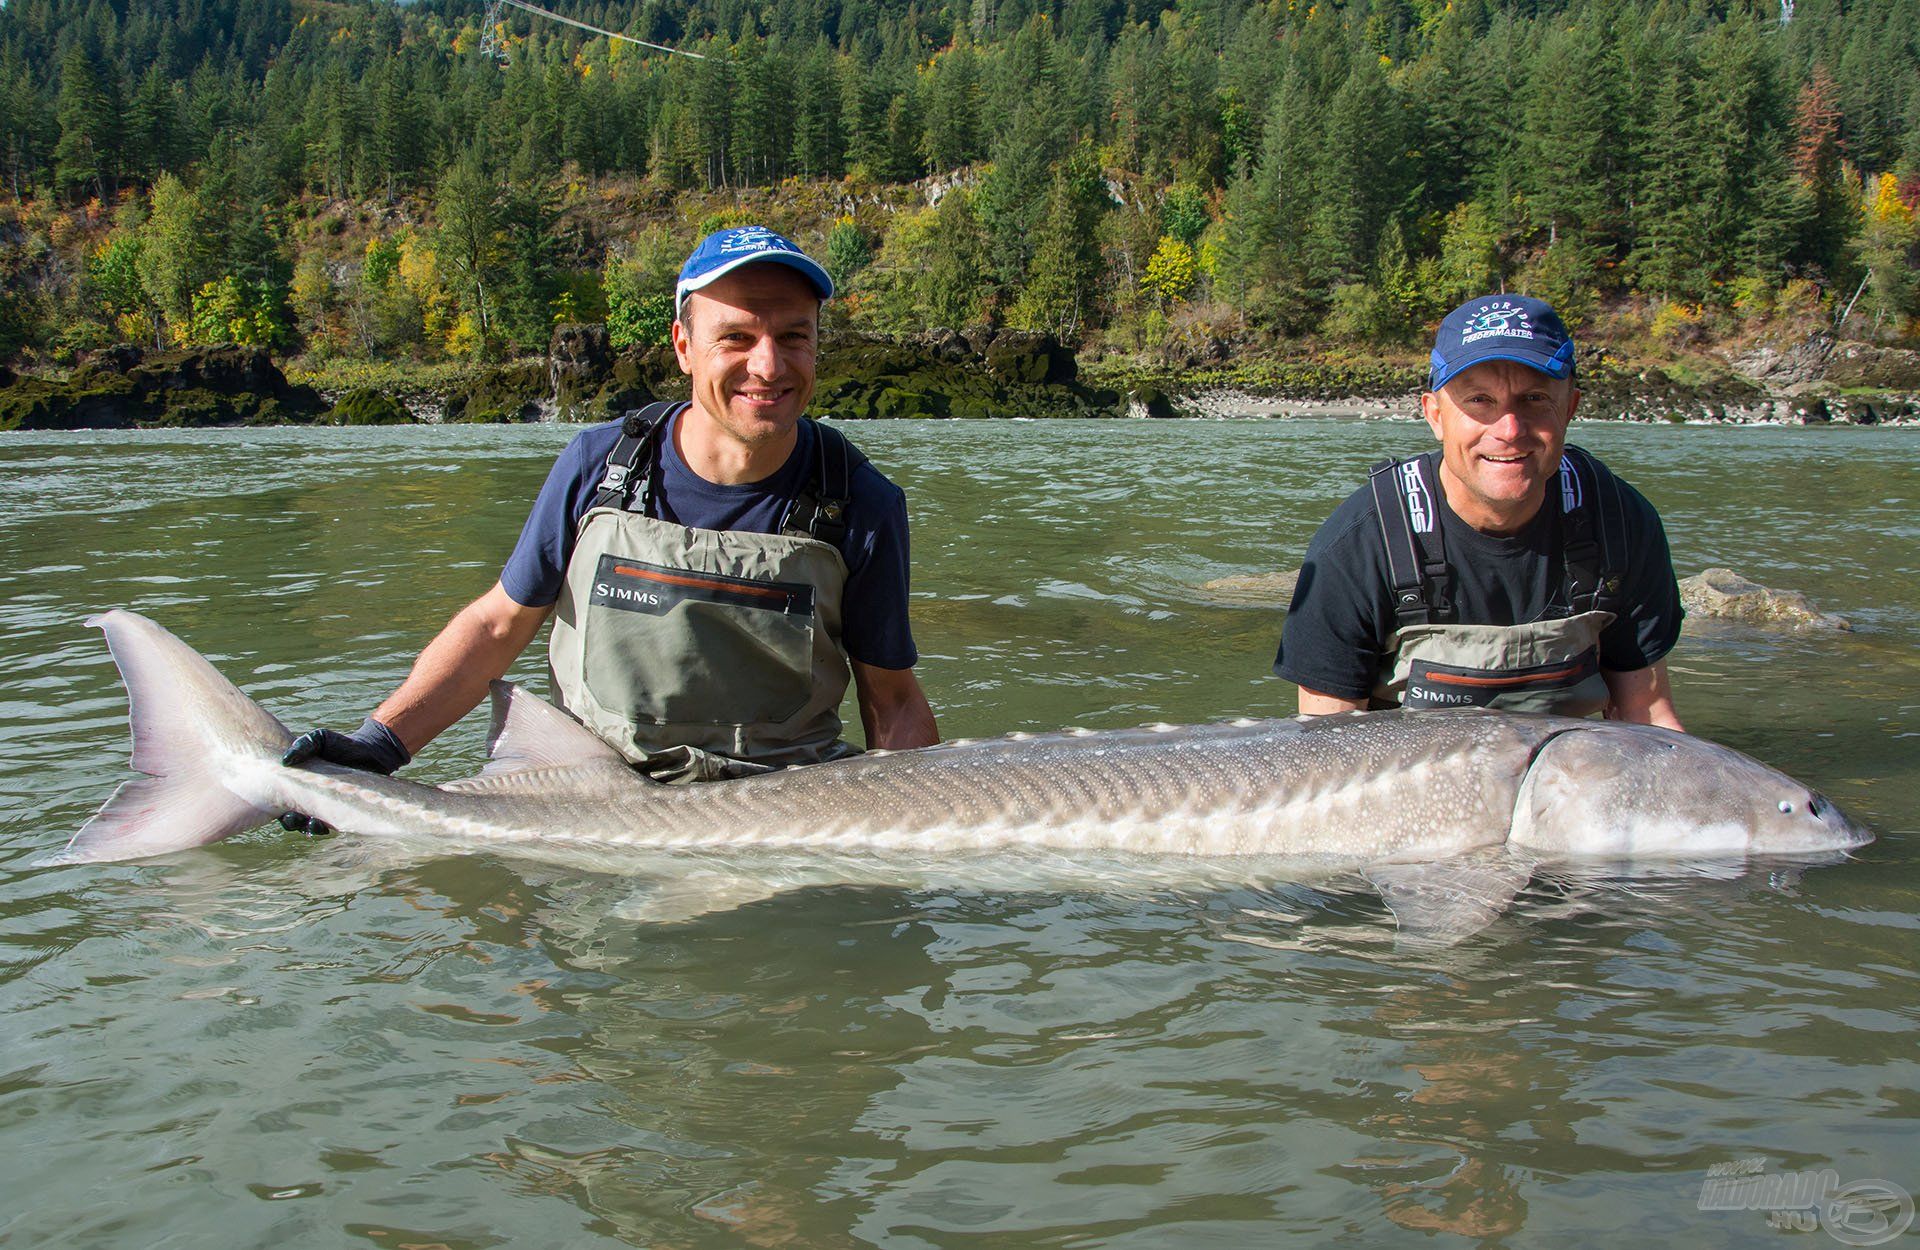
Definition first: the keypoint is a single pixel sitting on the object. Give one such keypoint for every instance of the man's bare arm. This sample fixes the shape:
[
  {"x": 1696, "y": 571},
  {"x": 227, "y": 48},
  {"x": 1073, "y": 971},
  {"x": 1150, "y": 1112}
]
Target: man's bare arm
[
  {"x": 1643, "y": 696},
  {"x": 450, "y": 678},
  {"x": 893, "y": 709},
  {"x": 1313, "y": 703}
]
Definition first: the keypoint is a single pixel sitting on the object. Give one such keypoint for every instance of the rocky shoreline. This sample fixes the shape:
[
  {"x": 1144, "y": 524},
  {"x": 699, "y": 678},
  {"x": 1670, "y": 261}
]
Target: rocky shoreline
[
  {"x": 978, "y": 372},
  {"x": 1879, "y": 409}
]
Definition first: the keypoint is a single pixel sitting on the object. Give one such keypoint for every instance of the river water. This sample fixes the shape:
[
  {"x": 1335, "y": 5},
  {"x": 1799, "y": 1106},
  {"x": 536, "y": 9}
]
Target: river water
[{"x": 309, "y": 1043}]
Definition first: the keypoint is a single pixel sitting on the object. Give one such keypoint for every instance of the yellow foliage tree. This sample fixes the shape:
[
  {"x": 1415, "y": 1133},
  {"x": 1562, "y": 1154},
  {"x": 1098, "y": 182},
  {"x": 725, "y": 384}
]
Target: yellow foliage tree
[
  {"x": 1887, "y": 207},
  {"x": 1171, "y": 271}
]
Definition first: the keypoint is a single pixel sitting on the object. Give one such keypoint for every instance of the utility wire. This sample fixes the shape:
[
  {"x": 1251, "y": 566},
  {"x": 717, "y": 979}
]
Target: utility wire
[{"x": 657, "y": 47}]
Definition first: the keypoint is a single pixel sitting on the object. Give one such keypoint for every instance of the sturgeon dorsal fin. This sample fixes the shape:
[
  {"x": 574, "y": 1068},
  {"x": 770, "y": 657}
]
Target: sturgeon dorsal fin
[{"x": 529, "y": 733}]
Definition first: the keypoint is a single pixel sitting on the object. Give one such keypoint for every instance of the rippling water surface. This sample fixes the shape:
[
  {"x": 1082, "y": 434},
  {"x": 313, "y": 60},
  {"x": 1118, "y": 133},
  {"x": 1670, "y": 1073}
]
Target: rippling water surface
[{"x": 305, "y": 1043}]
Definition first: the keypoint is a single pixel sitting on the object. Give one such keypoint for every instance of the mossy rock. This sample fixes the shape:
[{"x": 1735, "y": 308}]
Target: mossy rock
[
  {"x": 509, "y": 393},
  {"x": 892, "y": 401},
  {"x": 1029, "y": 358},
  {"x": 124, "y": 388},
  {"x": 1152, "y": 402},
  {"x": 196, "y": 408},
  {"x": 367, "y": 406}
]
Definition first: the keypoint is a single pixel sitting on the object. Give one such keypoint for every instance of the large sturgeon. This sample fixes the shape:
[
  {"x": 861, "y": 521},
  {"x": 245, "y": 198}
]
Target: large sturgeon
[{"x": 1447, "y": 812}]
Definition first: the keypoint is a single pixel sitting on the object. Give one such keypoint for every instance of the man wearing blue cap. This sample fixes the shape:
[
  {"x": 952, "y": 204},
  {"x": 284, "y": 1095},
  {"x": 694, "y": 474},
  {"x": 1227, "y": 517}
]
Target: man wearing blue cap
[
  {"x": 1506, "y": 570},
  {"x": 715, "y": 570}
]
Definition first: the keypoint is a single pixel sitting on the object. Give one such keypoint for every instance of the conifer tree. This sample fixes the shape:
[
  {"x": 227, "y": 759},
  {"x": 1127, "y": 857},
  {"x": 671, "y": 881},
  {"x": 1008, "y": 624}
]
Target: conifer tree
[
  {"x": 951, "y": 87},
  {"x": 1817, "y": 163},
  {"x": 86, "y": 157},
  {"x": 1358, "y": 175},
  {"x": 1065, "y": 270}
]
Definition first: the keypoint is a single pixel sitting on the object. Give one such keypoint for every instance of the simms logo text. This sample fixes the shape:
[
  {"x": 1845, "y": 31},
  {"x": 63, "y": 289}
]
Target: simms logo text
[{"x": 610, "y": 593}]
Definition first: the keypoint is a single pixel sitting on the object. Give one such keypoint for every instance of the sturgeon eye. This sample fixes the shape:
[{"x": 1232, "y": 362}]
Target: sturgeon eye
[{"x": 1786, "y": 808}]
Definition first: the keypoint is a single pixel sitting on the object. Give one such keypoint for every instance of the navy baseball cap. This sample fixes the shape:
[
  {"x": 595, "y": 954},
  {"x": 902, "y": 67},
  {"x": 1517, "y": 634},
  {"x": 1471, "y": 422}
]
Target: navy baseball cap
[
  {"x": 1501, "y": 327},
  {"x": 724, "y": 251}
]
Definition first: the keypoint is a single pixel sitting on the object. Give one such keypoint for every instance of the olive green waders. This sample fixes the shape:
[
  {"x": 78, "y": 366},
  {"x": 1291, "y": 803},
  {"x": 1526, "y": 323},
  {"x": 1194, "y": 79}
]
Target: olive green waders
[{"x": 705, "y": 654}]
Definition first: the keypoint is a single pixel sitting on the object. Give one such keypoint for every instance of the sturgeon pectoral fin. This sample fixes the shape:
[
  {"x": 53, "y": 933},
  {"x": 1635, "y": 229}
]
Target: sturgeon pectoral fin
[
  {"x": 530, "y": 733},
  {"x": 694, "y": 895},
  {"x": 1442, "y": 903}
]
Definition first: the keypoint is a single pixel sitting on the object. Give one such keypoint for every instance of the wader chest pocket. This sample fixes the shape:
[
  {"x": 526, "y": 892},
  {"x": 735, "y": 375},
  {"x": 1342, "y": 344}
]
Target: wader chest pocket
[
  {"x": 1445, "y": 685},
  {"x": 687, "y": 647}
]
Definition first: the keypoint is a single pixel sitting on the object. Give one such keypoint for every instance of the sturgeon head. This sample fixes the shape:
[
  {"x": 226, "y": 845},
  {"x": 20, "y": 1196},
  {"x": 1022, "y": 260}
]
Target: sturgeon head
[{"x": 1615, "y": 790}]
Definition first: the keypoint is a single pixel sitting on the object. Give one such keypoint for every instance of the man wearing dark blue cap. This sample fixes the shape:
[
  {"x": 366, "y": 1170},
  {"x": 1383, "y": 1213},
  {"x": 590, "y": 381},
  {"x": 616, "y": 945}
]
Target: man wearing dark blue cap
[
  {"x": 1506, "y": 570},
  {"x": 716, "y": 570}
]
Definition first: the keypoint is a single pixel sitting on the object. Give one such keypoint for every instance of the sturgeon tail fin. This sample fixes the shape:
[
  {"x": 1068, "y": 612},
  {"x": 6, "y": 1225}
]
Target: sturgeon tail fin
[{"x": 190, "y": 726}]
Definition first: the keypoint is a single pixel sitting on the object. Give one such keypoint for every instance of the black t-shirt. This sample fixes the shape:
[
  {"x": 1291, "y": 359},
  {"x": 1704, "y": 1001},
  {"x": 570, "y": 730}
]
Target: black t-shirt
[{"x": 1337, "y": 629}]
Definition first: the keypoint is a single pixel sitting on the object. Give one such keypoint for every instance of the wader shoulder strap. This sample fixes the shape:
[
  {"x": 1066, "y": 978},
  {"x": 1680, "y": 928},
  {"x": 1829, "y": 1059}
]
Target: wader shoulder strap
[
  {"x": 629, "y": 471},
  {"x": 819, "y": 511},
  {"x": 1593, "y": 532},
  {"x": 1403, "y": 496}
]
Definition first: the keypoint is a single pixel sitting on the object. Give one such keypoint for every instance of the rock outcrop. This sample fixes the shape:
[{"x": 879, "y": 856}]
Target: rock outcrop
[
  {"x": 1780, "y": 365},
  {"x": 947, "y": 373},
  {"x": 125, "y": 387},
  {"x": 1724, "y": 595},
  {"x": 1867, "y": 365}
]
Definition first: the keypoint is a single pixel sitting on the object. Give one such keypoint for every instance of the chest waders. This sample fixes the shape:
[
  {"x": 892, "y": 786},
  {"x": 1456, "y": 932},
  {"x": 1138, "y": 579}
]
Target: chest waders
[
  {"x": 706, "y": 654},
  {"x": 1433, "y": 660}
]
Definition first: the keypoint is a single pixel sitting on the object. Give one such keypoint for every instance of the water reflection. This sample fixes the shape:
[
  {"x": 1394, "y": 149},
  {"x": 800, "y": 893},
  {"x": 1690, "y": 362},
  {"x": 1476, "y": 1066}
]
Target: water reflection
[{"x": 303, "y": 1042}]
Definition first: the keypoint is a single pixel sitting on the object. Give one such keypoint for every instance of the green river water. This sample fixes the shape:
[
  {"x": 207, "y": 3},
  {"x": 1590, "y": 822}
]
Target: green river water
[{"x": 291, "y": 1042}]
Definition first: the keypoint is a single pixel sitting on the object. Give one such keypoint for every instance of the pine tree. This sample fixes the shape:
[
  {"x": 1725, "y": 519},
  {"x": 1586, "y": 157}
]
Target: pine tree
[
  {"x": 1358, "y": 176},
  {"x": 87, "y": 154},
  {"x": 951, "y": 87},
  {"x": 1830, "y": 217},
  {"x": 152, "y": 127},
  {"x": 1570, "y": 144},
  {"x": 819, "y": 142},
  {"x": 1065, "y": 271},
  {"x": 470, "y": 243}
]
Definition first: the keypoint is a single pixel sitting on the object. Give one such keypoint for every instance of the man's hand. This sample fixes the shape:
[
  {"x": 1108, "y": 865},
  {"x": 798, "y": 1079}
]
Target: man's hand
[
  {"x": 1644, "y": 696},
  {"x": 372, "y": 747},
  {"x": 893, "y": 708}
]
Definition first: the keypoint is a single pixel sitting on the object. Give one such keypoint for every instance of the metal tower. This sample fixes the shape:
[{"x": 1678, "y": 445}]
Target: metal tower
[{"x": 491, "y": 45}]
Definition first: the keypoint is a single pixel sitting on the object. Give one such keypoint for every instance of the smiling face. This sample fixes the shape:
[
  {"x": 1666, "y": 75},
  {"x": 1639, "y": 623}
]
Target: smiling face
[
  {"x": 1501, "y": 427},
  {"x": 748, "y": 340}
]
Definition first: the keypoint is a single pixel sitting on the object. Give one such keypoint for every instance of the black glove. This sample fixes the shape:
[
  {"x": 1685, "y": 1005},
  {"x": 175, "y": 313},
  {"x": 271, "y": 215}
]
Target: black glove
[{"x": 372, "y": 747}]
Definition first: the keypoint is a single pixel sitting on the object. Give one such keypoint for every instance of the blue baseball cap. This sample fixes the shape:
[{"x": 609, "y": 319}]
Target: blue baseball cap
[
  {"x": 724, "y": 251},
  {"x": 1501, "y": 327}
]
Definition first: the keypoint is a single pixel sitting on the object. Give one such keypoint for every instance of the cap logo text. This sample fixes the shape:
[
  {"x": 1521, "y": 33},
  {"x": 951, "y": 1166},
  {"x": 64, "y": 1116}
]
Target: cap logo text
[{"x": 1503, "y": 319}]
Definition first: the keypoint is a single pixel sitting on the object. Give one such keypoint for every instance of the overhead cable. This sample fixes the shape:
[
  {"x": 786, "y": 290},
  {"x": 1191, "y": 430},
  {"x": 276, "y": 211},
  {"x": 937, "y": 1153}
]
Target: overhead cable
[{"x": 657, "y": 47}]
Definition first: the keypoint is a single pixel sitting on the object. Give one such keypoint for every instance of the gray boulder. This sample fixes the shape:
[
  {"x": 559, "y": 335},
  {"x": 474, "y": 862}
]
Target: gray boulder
[{"x": 1724, "y": 595}]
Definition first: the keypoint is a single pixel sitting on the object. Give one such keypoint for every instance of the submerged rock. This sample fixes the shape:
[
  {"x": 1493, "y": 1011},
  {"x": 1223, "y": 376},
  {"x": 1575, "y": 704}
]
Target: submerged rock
[
  {"x": 1724, "y": 595},
  {"x": 1261, "y": 590}
]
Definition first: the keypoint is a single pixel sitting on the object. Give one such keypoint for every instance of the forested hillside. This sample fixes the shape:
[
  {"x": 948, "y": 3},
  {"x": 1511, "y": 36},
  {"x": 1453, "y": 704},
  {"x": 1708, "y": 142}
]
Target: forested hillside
[{"x": 365, "y": 178}]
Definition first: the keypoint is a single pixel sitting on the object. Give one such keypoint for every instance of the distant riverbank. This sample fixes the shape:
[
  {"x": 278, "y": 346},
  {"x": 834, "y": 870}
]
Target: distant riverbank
[{"x": 973, "y": 373}]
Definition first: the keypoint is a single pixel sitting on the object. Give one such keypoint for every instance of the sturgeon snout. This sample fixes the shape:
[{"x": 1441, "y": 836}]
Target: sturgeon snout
[{"x": 1613, "y": 789}]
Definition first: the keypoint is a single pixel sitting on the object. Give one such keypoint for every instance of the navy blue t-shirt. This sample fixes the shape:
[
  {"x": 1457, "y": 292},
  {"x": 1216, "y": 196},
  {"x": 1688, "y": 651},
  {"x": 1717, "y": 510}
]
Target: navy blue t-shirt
[
  {"x": 874, "y": 612},
  {"x": 1342, "y": 617}
]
